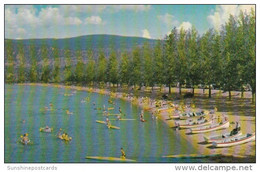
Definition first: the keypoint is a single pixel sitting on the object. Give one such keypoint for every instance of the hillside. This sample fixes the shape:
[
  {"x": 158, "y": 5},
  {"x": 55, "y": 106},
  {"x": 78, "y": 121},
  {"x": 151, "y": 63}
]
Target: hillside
[{"x": 93, "y": 42}]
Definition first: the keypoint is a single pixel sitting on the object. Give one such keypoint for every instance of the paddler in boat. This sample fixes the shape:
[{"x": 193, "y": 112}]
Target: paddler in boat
[
  {"x": 236, "y": 129},
  {"x": 142, "y": 116},
  {"x": 108, "y": 123},
  {"x": 47, "y": 128},
  {"x": 118, "y": 117},
  {"x": 120, "y": 110},
  {"x": 123, "y": 153},
  {"x": 25, "y": 138}
]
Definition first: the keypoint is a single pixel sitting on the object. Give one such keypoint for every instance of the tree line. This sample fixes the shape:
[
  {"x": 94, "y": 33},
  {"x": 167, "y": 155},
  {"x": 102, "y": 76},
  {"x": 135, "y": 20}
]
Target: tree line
[{"x": 224, "y": 58}]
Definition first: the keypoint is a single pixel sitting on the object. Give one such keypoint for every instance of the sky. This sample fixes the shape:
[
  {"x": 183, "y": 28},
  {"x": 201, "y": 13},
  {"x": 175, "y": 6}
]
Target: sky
[{"x": 148, "y": 21}]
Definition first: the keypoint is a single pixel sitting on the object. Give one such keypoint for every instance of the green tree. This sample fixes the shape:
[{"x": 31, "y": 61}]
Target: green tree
[
  {"x": 158, "y": 65},
  {"x": 148, "y": 71},
  {"x": 21, "y": 76},
  {"x": 68, "y": 73},
  {"x": 136, "y": 67},
  {"x": 9, "y": 66},
  {"x": 124, "y": 69},
  {"x": 112, "y": 68},
  {"x": 46, "y": 70},
  {"x": 56, "y": 69},
  {"x": 101, "y": 67},
  {"x": 170, "y": 66},
  {"x": 181, "y": 60},
  {"x": 231, "y": 78},
  {"x": 33, "y": 73},
  {"x": 80, "y": 69},
  {"x": 193, "y": 67},
  {"x": 90, "y": 68}
]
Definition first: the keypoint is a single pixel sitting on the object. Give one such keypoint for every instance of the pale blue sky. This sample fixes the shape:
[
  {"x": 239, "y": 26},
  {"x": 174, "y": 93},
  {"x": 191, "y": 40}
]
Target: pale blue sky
[{"x": 150, "y": 21}]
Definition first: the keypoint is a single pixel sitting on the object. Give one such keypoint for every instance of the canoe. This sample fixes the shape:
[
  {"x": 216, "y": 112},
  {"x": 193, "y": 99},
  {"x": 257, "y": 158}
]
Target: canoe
[
  {"x": 220, "y": 138},
  {"x": 210, "y": 128},
  {"x": 113, "y": 114},
  {"x": 46, "y": 130},
  {"x": 110, "y": 108},
  {"x": 190, "y": 156},
  {"x": 110, "y": 159},
  {"x": 110, "y": 127},
  {"x": 191, "y": 115},
  {"x": 235, "y": 141},
  {"x": 69, "y": 139},
  {"x": 113, "y": 127},
  {"x": 25, "y": 143},
  {"x": 122, "y": 119},
  {"x": 192, "y": 125},
  {"x": 101, "y": 122},
  {"x": 165, "y": 109}
]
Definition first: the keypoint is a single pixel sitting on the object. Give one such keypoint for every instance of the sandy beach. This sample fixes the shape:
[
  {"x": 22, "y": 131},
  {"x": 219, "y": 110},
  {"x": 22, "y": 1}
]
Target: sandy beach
[{"x": 246, "y": 120}]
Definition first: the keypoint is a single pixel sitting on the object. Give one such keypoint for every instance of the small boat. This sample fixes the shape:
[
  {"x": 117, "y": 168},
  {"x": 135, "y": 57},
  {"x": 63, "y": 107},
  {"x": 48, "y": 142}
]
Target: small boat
[
  {"x": 101, "y": 122},
  {"x": 188, "y": 115},
  {"x": 68, "y": 112},
  {"x": 220, "y": 138},
  {"x": 166, "y": 109},
  {"x": 194, "y": 124},
  {"x": 110, "y": 158},
  {"x": 113, "y": 127},
  {"x": 191, "y": 115},
  {"x": 122, "y": 119},
  {"x": 190, "y": 156},
  {"x": 210, "y": 128},
  {"x": 235, "y": 141},
  {"x": 25, "y": 143},
  {"x": 46, "y": 130},
  {"x": 110, "y": 127},
  {"x": 67, "y": 139},
  {"x": 110, "y": 108}
]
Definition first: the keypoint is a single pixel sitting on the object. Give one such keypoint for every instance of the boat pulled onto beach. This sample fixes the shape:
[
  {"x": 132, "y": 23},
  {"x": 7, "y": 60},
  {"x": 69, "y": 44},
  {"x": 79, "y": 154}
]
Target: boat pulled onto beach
[
  {"x": 235, "y": 141},
  {"x": 221, "y": 137},
  {"x": 188, "y": 115},
  {"x": 194, "y": 124},
  {"x": 210, "y": 128}
]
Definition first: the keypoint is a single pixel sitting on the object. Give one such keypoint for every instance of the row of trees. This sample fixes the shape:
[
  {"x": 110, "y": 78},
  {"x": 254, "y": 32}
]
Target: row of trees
[{"x": 225, "y": 58}]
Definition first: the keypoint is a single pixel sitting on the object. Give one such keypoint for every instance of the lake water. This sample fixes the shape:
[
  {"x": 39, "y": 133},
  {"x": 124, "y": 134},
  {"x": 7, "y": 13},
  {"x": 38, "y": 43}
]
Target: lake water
[{"x": 24, "y": 113}]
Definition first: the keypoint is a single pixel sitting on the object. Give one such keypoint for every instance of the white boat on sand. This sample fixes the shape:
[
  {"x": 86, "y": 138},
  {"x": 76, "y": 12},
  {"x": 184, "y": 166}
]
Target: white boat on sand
[
  {"x": 235, "y": 141},
  {"x": 193, "y": 124},
  {"x": 210, "y": 128},
  {"x": 221, "y": 137}
]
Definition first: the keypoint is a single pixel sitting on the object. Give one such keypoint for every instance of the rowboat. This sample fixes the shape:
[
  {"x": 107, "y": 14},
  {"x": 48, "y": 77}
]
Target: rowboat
[
  {"x": 191, "y": 115},
  {"x": 190, "y": 156},
  {"x": 188, "y": 115},
  {"x": 194, "y": 124},
  {"x": 25, "y": 143},
  {"x": 110, "y": 158},
  {"x": 113, "y": 127},
  {"x": 110, "y": 127},
  {"x": 235, "y": 141},
  {"x": 67, "y": 139},
  {"x": 101, "y": 122},
  {"x": 210, "y": 128},
  {"x": 165, "y": 109},
  {"x": 46, "y": 130},
  {"x": 122, "y": 119},
  {"x": 110, "y": 114},
  {"x": 220, "y": 138}
]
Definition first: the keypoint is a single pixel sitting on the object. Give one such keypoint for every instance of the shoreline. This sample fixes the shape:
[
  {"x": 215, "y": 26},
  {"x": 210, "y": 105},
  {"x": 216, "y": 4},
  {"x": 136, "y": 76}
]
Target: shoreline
[{"x": 239, "y": 152}]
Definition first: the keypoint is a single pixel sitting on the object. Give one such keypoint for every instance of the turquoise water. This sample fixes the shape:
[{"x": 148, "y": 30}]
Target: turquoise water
[{"x": 144, "y": 142}]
